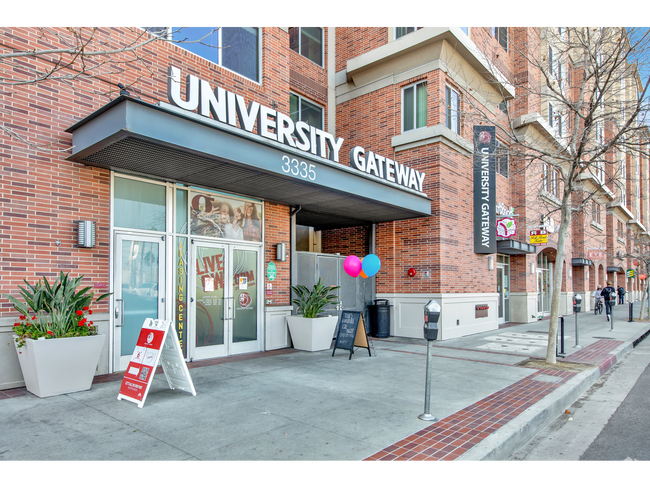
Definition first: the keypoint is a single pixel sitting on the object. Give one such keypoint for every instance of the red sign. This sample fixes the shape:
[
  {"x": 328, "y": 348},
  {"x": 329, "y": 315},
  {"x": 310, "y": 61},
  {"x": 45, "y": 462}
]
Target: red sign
[
  {"x": 595, "y": 254},
  {"x": 143, "y": 362},
  {"x": 642, "y": 277}
]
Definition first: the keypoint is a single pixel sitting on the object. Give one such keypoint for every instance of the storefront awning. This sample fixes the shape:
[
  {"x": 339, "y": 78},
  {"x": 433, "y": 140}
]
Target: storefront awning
[
  {"x": 581, "y": 262},
  {"x": 615, "y": 269},
  {"x": 510, "y": 246},
  {"x": 171, "y": 144}
]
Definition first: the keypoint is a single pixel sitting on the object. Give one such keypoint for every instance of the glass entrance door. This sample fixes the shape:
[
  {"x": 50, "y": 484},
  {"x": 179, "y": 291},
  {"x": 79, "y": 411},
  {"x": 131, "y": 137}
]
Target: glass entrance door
[
  {"x": 500, "y": 290},
  {"x": 224, "y": 300},
  {"x": 139, "y": 292}
]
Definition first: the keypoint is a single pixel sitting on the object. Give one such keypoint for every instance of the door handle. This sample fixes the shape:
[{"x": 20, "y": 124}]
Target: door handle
[
  {"x": 227, "y": 307},
  {"x": 119, "y": 312}
]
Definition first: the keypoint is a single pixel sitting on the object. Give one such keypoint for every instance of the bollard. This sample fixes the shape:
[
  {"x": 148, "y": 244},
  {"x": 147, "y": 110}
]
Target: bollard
[
  {"x": 631, "y": 309},
  {"x": 577, "y": 345},
  {"x": 427, "y": 415},
  {"x": 561, "y": 323}
]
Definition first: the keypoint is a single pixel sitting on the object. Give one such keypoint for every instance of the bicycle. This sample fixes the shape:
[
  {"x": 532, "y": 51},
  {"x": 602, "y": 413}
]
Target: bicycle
[{"x": 598, "y": 307}]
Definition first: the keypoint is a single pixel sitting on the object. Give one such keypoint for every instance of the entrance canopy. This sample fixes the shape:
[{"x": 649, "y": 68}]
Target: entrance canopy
[{"x": 165, "y": 142}]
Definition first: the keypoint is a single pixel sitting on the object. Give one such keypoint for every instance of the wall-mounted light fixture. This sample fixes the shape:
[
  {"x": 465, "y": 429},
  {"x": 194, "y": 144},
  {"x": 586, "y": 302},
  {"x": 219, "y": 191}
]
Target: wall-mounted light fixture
[
  {"x": 532, "y": 268},
  {"x": 281, "y": 251},
  {"x": 85, "y": 233},
  {"x": 490, "y": 263}
]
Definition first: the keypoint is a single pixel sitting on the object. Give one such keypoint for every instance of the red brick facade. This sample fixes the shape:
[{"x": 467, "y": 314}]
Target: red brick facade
[{"x": 43, "y": 193}]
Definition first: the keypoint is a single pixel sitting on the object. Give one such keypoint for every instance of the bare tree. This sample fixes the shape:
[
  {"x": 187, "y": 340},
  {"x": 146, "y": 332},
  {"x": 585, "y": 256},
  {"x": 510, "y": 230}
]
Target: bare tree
[
  {"x": 73, "y": 55},
  {"x": 572, "y": 149}
]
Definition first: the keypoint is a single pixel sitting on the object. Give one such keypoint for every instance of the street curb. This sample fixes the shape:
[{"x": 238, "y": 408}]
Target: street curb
[{"x": 509, "y": 438}]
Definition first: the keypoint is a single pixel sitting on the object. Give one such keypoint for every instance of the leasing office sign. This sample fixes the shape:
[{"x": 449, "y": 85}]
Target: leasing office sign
[
  {"x": 484, "y": 190},
  {"x": 229, "y": 108}
]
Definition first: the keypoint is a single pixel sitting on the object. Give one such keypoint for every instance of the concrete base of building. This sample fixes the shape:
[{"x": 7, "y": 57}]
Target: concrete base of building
[{"x": 458, "y": 317}]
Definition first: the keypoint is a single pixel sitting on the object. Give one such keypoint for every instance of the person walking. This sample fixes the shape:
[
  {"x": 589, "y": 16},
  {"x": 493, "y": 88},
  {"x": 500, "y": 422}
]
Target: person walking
[
  {"x": 596, "y": 295},
  {"x": 609, "y": 295},
  {"x": 621, "y": 295}
]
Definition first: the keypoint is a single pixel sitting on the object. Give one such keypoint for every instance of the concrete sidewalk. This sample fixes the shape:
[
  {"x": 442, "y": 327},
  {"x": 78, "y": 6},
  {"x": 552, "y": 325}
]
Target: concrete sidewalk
[{"x": 288, "y": 405}]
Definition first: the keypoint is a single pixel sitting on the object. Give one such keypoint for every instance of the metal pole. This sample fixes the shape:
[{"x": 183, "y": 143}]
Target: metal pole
[
  {"x": 631, "y": 311},
  {"x": 427, "y": 390},
  {"x": 611, "y": 317},
  {"x": 562, "y": 329},
  {"x": 576, "y": 315}
]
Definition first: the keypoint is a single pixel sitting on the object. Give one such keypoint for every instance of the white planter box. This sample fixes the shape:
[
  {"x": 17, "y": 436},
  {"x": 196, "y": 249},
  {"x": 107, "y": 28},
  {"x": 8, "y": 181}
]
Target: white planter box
[
  {"x": 312, "y": 334},
  {"x": 58, "y": 366}
]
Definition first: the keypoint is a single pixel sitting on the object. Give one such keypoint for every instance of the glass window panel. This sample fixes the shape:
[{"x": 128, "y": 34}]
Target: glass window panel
[
  {"x": 408, "y": 107},
  {"x": 312, "y": 114},
  {"x": 402, "y": 31},
  {"x": 139, "y": 205},
  {"x": 421, "y": 105},
  {"x": 140, "y": 261},
  {"x": 181, "y": 211},
  {"x": 202, "y": 41},
  {"x": 240, "y": 50},
  {"x": 311, "y": 40},
  {"x": 245, "y": 295},
  {"x": 209, "y": 296},
  {"x": 294, "y": 107}
]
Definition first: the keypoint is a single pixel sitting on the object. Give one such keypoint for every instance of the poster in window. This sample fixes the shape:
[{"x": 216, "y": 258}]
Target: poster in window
[{"x": 226, "y": 218}]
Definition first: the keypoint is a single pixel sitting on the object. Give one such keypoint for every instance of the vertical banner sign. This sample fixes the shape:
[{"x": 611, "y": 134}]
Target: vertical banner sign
[{"x": 484, "y": 190}]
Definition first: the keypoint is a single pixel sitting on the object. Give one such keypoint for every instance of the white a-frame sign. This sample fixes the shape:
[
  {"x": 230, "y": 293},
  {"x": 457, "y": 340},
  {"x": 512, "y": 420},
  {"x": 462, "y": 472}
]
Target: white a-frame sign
[{"x": 157, "y": 341}]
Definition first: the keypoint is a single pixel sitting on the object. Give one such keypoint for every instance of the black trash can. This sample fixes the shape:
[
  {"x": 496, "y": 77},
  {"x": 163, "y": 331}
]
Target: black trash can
[{"x": 380, "y": 319}]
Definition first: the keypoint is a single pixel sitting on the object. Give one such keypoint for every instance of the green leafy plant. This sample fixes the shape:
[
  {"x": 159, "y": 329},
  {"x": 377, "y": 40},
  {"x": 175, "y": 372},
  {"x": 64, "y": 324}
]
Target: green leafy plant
[
  {"x": 54, "y": 311},
  {"x": 312, "y": 302}
]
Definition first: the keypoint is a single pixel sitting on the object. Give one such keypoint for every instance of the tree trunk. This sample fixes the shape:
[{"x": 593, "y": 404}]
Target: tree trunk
[
  {"x": 557, "y": 279},
  {"x": 643, "y": 296}
]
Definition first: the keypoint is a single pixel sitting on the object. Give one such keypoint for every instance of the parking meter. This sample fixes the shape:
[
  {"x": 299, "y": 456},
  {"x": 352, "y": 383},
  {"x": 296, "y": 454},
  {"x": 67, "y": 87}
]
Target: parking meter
[
  {"x": 577, "y": 303},
  {"x": 431, "y": 316}
]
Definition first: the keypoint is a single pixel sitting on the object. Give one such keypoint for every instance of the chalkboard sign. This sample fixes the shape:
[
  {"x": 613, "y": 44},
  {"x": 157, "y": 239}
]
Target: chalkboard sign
[{"x": 351, "y": 333}]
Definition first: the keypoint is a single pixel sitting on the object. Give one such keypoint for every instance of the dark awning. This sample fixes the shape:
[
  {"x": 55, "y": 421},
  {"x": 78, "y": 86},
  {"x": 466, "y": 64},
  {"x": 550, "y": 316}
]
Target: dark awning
[
  {"x": 510, "y": 246},
  {"x": 615, "y": 269},
  {"x": 171, "y": 144},
  {"x": 581, "y": 262}
]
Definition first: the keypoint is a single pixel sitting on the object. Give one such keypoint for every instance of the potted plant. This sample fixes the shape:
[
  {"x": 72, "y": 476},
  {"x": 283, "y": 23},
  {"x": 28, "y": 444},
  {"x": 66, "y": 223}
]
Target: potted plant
[
  {"x": 308, "y": 331},
  {"x": 57, "y": 344}
]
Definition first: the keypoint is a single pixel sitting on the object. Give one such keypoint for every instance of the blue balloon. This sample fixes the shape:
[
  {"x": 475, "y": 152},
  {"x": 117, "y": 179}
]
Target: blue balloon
[{"x": 370, "y": 264}]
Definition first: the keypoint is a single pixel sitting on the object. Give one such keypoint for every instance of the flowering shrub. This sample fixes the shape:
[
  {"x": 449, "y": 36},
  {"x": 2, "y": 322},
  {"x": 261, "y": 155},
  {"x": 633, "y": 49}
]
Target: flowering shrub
[{"x": 57, "y": 311}]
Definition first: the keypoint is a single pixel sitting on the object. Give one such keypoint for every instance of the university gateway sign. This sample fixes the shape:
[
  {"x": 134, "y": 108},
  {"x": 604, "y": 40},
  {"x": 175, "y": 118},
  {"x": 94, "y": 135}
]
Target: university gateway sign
[
  {"x": 230, "y": 108},
  {"x": 484, "y": 190}
]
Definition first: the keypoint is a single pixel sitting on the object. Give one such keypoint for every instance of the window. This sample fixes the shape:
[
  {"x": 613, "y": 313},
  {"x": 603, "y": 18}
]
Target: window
[
  {"x": 503, "y": 106},
  {"x": 554, "y": 187},
  {"x": 502, "y": 159},
  {"x": 545, "y": 177},
  {"x": 452, "y": 119},
  {"x": 414, "y": 106},
  {"x": 595, "y": 212},
  {"x": 307, "y": 41},
  {"x": 501, "y": 35},
  {"x": 403, "y": 29},
  {"x": 235, "y": 48},
  {"x": 305, "y": 111},
  {"x": 551, "y": 61},
  {"x": 555, "y": 120}
]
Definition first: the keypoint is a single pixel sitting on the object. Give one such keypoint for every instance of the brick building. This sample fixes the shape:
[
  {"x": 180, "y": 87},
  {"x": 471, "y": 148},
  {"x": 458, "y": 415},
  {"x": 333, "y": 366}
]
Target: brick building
[{"x": 215, "y": 178}]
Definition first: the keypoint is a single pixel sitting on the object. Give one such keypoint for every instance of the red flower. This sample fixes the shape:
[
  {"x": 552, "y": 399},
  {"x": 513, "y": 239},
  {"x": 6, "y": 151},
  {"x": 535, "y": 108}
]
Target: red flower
[
  {"x": 22, "y": 317},
  {"x": 86, "y": 308},
  {"x": 90, "y": 312},
  {"x": 79, "y": 312},
  {"x": 50, "y": 332},
  {"x": 16, "y": 324},
  {"x": 34, "y": 317},
  {"x": 91, "y": 322},
  {"x": 81, "y": 324}
]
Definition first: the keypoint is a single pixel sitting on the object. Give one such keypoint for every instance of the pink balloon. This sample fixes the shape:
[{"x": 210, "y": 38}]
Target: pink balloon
[{"x": 352, "y": 266}]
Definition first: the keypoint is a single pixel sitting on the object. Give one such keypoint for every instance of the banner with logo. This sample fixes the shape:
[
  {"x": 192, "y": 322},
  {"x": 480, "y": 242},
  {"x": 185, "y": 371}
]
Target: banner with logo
[{"x": 485, "y": 241}]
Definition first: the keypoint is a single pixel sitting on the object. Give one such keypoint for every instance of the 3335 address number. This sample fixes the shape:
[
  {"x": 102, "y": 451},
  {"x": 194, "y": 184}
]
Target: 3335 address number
[{"x": 298, "y": 168}]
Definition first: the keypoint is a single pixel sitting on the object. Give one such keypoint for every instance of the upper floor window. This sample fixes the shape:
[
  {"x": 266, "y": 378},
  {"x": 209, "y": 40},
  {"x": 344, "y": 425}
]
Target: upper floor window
[
  {"x": 501, "y": 35},
  {"x": 235, "y": 48},
  {"x": 551, "y": 115},
  {"x": 452, "y": 104},
  {"x": 595, "y": 212},
  {"x": 403, "y": 29},
  {"x": 414, "y": 106},
  {"x": 307, "y": 41},
  {"x": 502, "y": 159},
  {"x": 303, "y": 110}
]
